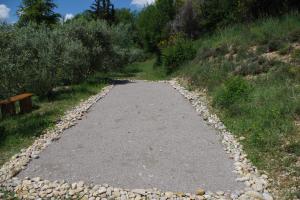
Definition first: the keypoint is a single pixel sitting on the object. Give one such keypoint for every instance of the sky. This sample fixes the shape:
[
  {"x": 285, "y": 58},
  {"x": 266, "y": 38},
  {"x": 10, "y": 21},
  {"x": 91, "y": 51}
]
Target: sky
[{"x": 67, "y": 8}]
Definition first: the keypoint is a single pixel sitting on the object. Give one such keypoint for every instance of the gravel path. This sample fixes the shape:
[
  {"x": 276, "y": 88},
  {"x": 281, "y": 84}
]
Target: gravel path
[{"x": 141, "y": 135}]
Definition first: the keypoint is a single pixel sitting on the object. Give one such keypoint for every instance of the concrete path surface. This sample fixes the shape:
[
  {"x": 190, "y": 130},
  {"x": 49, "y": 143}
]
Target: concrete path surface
[{"x": 141, "y": 135}]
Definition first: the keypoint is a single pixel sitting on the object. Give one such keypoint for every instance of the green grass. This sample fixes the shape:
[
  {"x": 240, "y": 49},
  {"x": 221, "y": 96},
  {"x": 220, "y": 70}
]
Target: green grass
[
  {"x": 8, "y": 195},
  {"x": 20, "y": 131},
  {"x": 144, "y": 71},
  {"x": 266, "y": 115}
]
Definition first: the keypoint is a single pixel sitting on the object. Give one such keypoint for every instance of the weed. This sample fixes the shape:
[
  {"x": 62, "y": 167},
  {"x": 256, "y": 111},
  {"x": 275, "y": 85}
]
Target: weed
[
  {"x": 274, "y": 45},
  {"x": 296, "y": 55},
  {"x": 285, "y": 49},
  {"x": 234, "y": 90},
  {"x": 294, "y": 36},
  {"x": 293, "y": 148},
  {"x": 262, "y": 49},
  {"x": 8, "y": 195}
]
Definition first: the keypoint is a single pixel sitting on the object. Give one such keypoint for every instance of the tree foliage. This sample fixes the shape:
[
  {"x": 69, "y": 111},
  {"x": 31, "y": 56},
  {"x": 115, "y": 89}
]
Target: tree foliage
[
  {"x": 220, "y": 13},
  {"x": 125, "y": 16},
  {"x": 158, "y": 21},
  {"x": 153, "y": 22},
  {"x": 103, "y": 9},
  {"x": 37, "y": 11},
  {"x": 177, "y": 51},
  {"x": 188, "y": 19},
  {"x": 38, "y": 58}
]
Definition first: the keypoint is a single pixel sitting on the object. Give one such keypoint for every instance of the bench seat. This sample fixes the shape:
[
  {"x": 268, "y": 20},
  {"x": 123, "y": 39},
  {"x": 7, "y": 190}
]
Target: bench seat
[{"x": 8, "y": 105}]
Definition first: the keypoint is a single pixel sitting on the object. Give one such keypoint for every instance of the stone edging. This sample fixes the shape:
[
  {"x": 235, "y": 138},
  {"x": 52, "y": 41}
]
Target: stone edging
[
  {"x": 256, "y": 183},
  {"x": 36, "y": 188}
]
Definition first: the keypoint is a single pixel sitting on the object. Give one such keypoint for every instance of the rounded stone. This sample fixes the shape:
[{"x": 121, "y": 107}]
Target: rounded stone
[{"x": 200, "y": 192}]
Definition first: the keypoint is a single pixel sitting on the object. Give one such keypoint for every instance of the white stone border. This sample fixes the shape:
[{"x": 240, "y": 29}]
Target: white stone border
[
  {"x": 256, "y": 183},
  {"x": 20, "y": 160},
  {"x": 36, "y": 188}
]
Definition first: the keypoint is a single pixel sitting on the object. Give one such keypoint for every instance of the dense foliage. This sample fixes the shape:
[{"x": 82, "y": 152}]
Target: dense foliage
[
  {"x": 234, "y": 90},
  {"x": 37, "y": 11},
  {"x": 37, "y": 58},
  {"x": 152, "y": 23},
  {"x": 164, "y": 18},
  {"x": 216, "y": 13},
  {"x": 103, "y": 9},
  {"x": 176, "y": 51}
]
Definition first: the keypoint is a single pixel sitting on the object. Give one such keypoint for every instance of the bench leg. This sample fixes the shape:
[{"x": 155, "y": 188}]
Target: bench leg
[
  {"x": 25, "y": 105},
  {"x": 8, "y": 109},
  {"x": 2, "y": 111}
]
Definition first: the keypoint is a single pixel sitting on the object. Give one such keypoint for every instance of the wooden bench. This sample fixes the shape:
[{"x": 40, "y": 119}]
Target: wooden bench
[{"x": 8, "y": 106}]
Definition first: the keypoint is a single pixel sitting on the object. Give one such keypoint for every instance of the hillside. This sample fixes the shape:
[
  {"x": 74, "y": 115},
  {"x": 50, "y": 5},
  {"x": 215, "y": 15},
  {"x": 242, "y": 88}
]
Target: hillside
[{"x": 252, "y": 76}]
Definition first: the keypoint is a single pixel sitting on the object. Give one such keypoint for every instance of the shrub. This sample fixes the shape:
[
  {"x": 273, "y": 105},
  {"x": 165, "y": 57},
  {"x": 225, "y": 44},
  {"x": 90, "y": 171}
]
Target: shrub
[
  {"x": 123, "y": 46},
  {"x": 205, "y": 53},
  {"x": 6, "y": 37},
  {"x": 262, "y": 49},
  {"x": 285, "y": 49},
  {"x": 294, "y": 36},
  {"x": 294, "y": 148},
  {"x": 74, "y": 62},
  {"x": 294, "y": 72},
  {"x": 29, "y": 62},
  {"x": 176, "y": 54},
  {"x": 234, "y": 90},
  {"x": 274, "y": 45},
  {"x": 254, "y": 67},
  {"x": 95, "y": 37},
  {"x": 296, "y": 55},
  {"x": 36, "y": 58},
  {"x": 39, "y": 59}
]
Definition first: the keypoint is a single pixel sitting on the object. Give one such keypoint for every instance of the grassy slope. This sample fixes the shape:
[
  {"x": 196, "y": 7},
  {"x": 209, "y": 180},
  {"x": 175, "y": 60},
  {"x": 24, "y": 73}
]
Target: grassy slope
[{"x": 267, "y": 118}]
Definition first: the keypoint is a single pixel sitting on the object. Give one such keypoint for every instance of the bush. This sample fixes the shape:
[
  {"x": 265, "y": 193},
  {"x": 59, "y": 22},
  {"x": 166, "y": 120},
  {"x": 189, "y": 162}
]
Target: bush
[
  {"x": 234, "y": 90},
  {"x": 274, "y": 45},
  {"x": 254, "y": 66},
  {"x": 285, "y": 49},
  {"x": 294, "y": 36},
  {"x": 296, "y": 55},
  {"x": 95, "y": 37},
  {"x": 176, "y": 54},
  {"x": 36, "y": 58},
  {"x": 28, "y": 62},
  {"x": 205, "y": 53},
  {"x": 294, "y": 148},
  {"x": 39, "y": 59},
  {"x": 123, "y": 45}
]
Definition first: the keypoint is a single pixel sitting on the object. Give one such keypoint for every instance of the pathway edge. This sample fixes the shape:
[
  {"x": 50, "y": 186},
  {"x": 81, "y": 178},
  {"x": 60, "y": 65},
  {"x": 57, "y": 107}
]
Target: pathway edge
[{"x": 257, "y": 185}]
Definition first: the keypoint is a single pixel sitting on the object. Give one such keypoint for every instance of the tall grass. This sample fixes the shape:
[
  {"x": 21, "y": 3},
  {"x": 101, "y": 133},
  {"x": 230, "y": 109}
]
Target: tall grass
[{"x": 252, "y": 34}]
